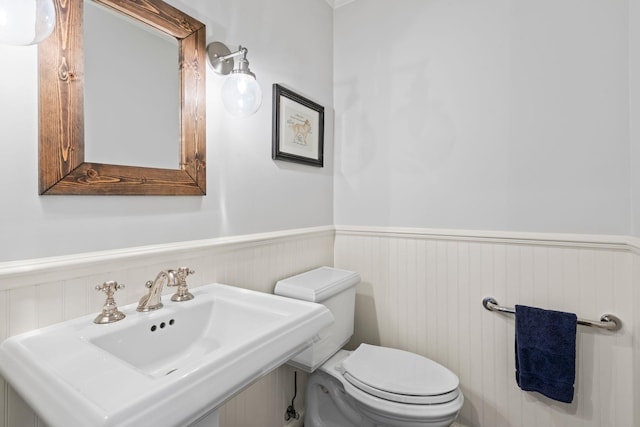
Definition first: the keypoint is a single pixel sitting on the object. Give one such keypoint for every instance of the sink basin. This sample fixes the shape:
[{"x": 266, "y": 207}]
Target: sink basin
[
  {"x": 185, "y": 333},
  {"x": 169, "y": 367}
]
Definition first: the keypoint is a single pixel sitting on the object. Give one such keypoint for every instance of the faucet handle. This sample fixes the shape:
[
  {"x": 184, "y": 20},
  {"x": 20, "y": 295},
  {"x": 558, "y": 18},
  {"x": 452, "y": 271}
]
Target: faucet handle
[
  {"x": 183, "y": 272},
  {"x": 110, "y": 312},
  {"x": 182, "y": 294},
  {"x": 109, "y": 287}
]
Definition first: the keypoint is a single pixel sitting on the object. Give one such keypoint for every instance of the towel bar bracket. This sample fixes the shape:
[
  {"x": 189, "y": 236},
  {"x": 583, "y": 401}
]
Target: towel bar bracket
[{"x": 607, "y": 321}]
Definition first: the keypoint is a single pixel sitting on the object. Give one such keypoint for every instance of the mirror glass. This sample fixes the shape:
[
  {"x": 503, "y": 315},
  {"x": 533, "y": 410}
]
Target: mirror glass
[{"x": 132, "y": 91}]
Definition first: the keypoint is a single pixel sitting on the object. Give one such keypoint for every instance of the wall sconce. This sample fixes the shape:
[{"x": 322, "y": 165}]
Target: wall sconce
[
  {"x": 26, "y": 22},
  {"x": 241, "y": 94}
]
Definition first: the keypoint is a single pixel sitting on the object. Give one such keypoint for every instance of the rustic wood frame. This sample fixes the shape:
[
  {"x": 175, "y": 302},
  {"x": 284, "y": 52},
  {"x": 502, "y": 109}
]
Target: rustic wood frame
[{"x": 62, "y": 169}]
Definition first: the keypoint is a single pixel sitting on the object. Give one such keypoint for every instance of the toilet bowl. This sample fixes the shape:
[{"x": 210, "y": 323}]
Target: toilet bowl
[
  {"x": 331, "y": 391},
  {"x": 371, "y": 386}
]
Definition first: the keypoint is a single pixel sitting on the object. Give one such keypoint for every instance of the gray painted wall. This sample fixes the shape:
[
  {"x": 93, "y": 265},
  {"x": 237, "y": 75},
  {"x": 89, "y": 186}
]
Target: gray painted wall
[
  {"x": 634, "y": 113},
  {"x": 289, "y": 42},
  {"x": 496, "y": 115}
]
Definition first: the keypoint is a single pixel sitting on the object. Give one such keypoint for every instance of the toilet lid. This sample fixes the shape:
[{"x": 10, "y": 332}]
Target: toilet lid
[{"x": 400, "y": 376}]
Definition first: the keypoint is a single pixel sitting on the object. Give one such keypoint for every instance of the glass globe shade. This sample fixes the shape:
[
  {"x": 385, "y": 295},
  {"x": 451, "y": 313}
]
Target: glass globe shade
[
  {"x": 25, "y": 22},
  {"x": 241, "y": 94}
]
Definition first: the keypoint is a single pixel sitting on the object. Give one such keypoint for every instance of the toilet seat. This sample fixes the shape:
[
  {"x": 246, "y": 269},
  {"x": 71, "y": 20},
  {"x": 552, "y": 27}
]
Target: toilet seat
[{"x": 400, "y": 376}]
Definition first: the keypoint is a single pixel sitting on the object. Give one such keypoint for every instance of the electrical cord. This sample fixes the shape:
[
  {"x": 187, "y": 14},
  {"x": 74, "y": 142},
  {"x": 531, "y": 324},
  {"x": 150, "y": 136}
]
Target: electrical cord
[{"x": 291, "y": 410}]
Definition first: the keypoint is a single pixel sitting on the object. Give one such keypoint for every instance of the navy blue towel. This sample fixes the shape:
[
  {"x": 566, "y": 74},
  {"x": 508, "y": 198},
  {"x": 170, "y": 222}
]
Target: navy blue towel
[{"x": 546, "y": 352}]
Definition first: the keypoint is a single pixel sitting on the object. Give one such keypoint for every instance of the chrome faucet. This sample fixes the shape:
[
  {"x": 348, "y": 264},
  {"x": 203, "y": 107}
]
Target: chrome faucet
[{"x": 153, "y": 300}]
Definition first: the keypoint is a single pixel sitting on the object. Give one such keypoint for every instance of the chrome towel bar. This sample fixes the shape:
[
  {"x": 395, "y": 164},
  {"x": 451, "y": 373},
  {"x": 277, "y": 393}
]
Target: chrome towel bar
[{"x": 607, "y": 321}]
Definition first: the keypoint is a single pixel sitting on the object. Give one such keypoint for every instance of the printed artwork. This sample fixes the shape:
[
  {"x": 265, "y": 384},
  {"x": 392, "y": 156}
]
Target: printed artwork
[{"x": 299, "y": 130}]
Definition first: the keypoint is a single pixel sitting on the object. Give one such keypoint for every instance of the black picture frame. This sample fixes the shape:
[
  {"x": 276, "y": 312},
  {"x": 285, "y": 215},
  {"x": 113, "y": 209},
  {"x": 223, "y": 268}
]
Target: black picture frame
[{"x": 298, "y": 128}]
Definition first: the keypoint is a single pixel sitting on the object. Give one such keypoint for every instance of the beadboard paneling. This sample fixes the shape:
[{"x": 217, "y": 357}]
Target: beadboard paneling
[
  {"x": 422, "y": 291},
  {"x": 38, "y": 293}
]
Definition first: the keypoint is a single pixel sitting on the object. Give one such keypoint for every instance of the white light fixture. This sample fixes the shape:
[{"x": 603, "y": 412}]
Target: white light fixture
[
  {"x": 25, "y": 22},
  {"x": 241, "y": 94}
]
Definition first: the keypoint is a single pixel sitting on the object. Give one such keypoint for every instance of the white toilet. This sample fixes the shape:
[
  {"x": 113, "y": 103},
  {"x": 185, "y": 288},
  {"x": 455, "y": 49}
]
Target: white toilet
[{"x": 371, "y": 386}]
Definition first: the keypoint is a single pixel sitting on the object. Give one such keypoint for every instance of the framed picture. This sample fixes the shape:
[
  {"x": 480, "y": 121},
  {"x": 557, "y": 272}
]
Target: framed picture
[{"x": 298, "y": 128}]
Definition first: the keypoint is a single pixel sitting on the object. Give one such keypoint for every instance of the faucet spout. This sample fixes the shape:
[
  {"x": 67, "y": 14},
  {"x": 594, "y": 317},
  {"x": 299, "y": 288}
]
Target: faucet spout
[{"x": 153, "y": 300}]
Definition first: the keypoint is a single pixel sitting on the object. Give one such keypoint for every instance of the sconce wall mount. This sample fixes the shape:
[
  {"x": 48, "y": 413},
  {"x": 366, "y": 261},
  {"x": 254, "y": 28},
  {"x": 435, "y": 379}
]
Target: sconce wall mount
[{"x": 220, "y": 57}]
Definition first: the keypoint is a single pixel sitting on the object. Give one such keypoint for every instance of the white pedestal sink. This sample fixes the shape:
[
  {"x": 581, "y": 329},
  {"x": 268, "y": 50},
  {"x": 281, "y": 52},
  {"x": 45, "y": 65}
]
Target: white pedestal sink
[
  {"x": 209, "y": 420},
  {"x": 170, "y": 367}
]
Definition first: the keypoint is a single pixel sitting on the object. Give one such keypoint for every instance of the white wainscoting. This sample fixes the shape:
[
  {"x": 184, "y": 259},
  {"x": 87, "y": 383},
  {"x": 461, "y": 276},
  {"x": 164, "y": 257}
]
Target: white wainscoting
[
  {"x": 37, "y": 293},
  {"x": 421, "y": 291}
]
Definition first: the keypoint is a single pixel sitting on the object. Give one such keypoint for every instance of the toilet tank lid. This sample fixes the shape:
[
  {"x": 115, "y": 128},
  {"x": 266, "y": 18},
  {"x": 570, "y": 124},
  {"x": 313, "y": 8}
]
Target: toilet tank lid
[{"x": 317, "y": 285}]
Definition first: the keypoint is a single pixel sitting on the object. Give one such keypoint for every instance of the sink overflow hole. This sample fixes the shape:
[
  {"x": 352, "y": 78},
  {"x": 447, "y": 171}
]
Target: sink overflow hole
[
  {"x": 162, "y": 326},
  {"x": 173, "y": 370}
]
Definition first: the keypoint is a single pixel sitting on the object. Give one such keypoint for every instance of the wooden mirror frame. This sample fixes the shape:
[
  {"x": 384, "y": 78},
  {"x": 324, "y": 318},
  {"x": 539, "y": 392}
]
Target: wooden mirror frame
[{"x": 62, "y": 169}]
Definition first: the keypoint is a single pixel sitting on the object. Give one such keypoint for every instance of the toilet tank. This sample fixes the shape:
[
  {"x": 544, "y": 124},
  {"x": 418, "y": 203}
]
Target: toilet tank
[{"x": 335, "y": 289}]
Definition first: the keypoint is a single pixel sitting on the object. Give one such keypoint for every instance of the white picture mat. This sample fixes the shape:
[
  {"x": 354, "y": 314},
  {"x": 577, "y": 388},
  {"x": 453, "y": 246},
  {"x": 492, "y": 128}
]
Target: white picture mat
[{"x": 299, "y": 129}]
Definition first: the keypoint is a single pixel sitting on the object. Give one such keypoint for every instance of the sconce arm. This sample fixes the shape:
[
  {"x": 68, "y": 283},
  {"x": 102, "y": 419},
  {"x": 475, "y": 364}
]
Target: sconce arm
[
  {"x": 221, "y": 58},
  {"x": 241, "y": 51}
]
